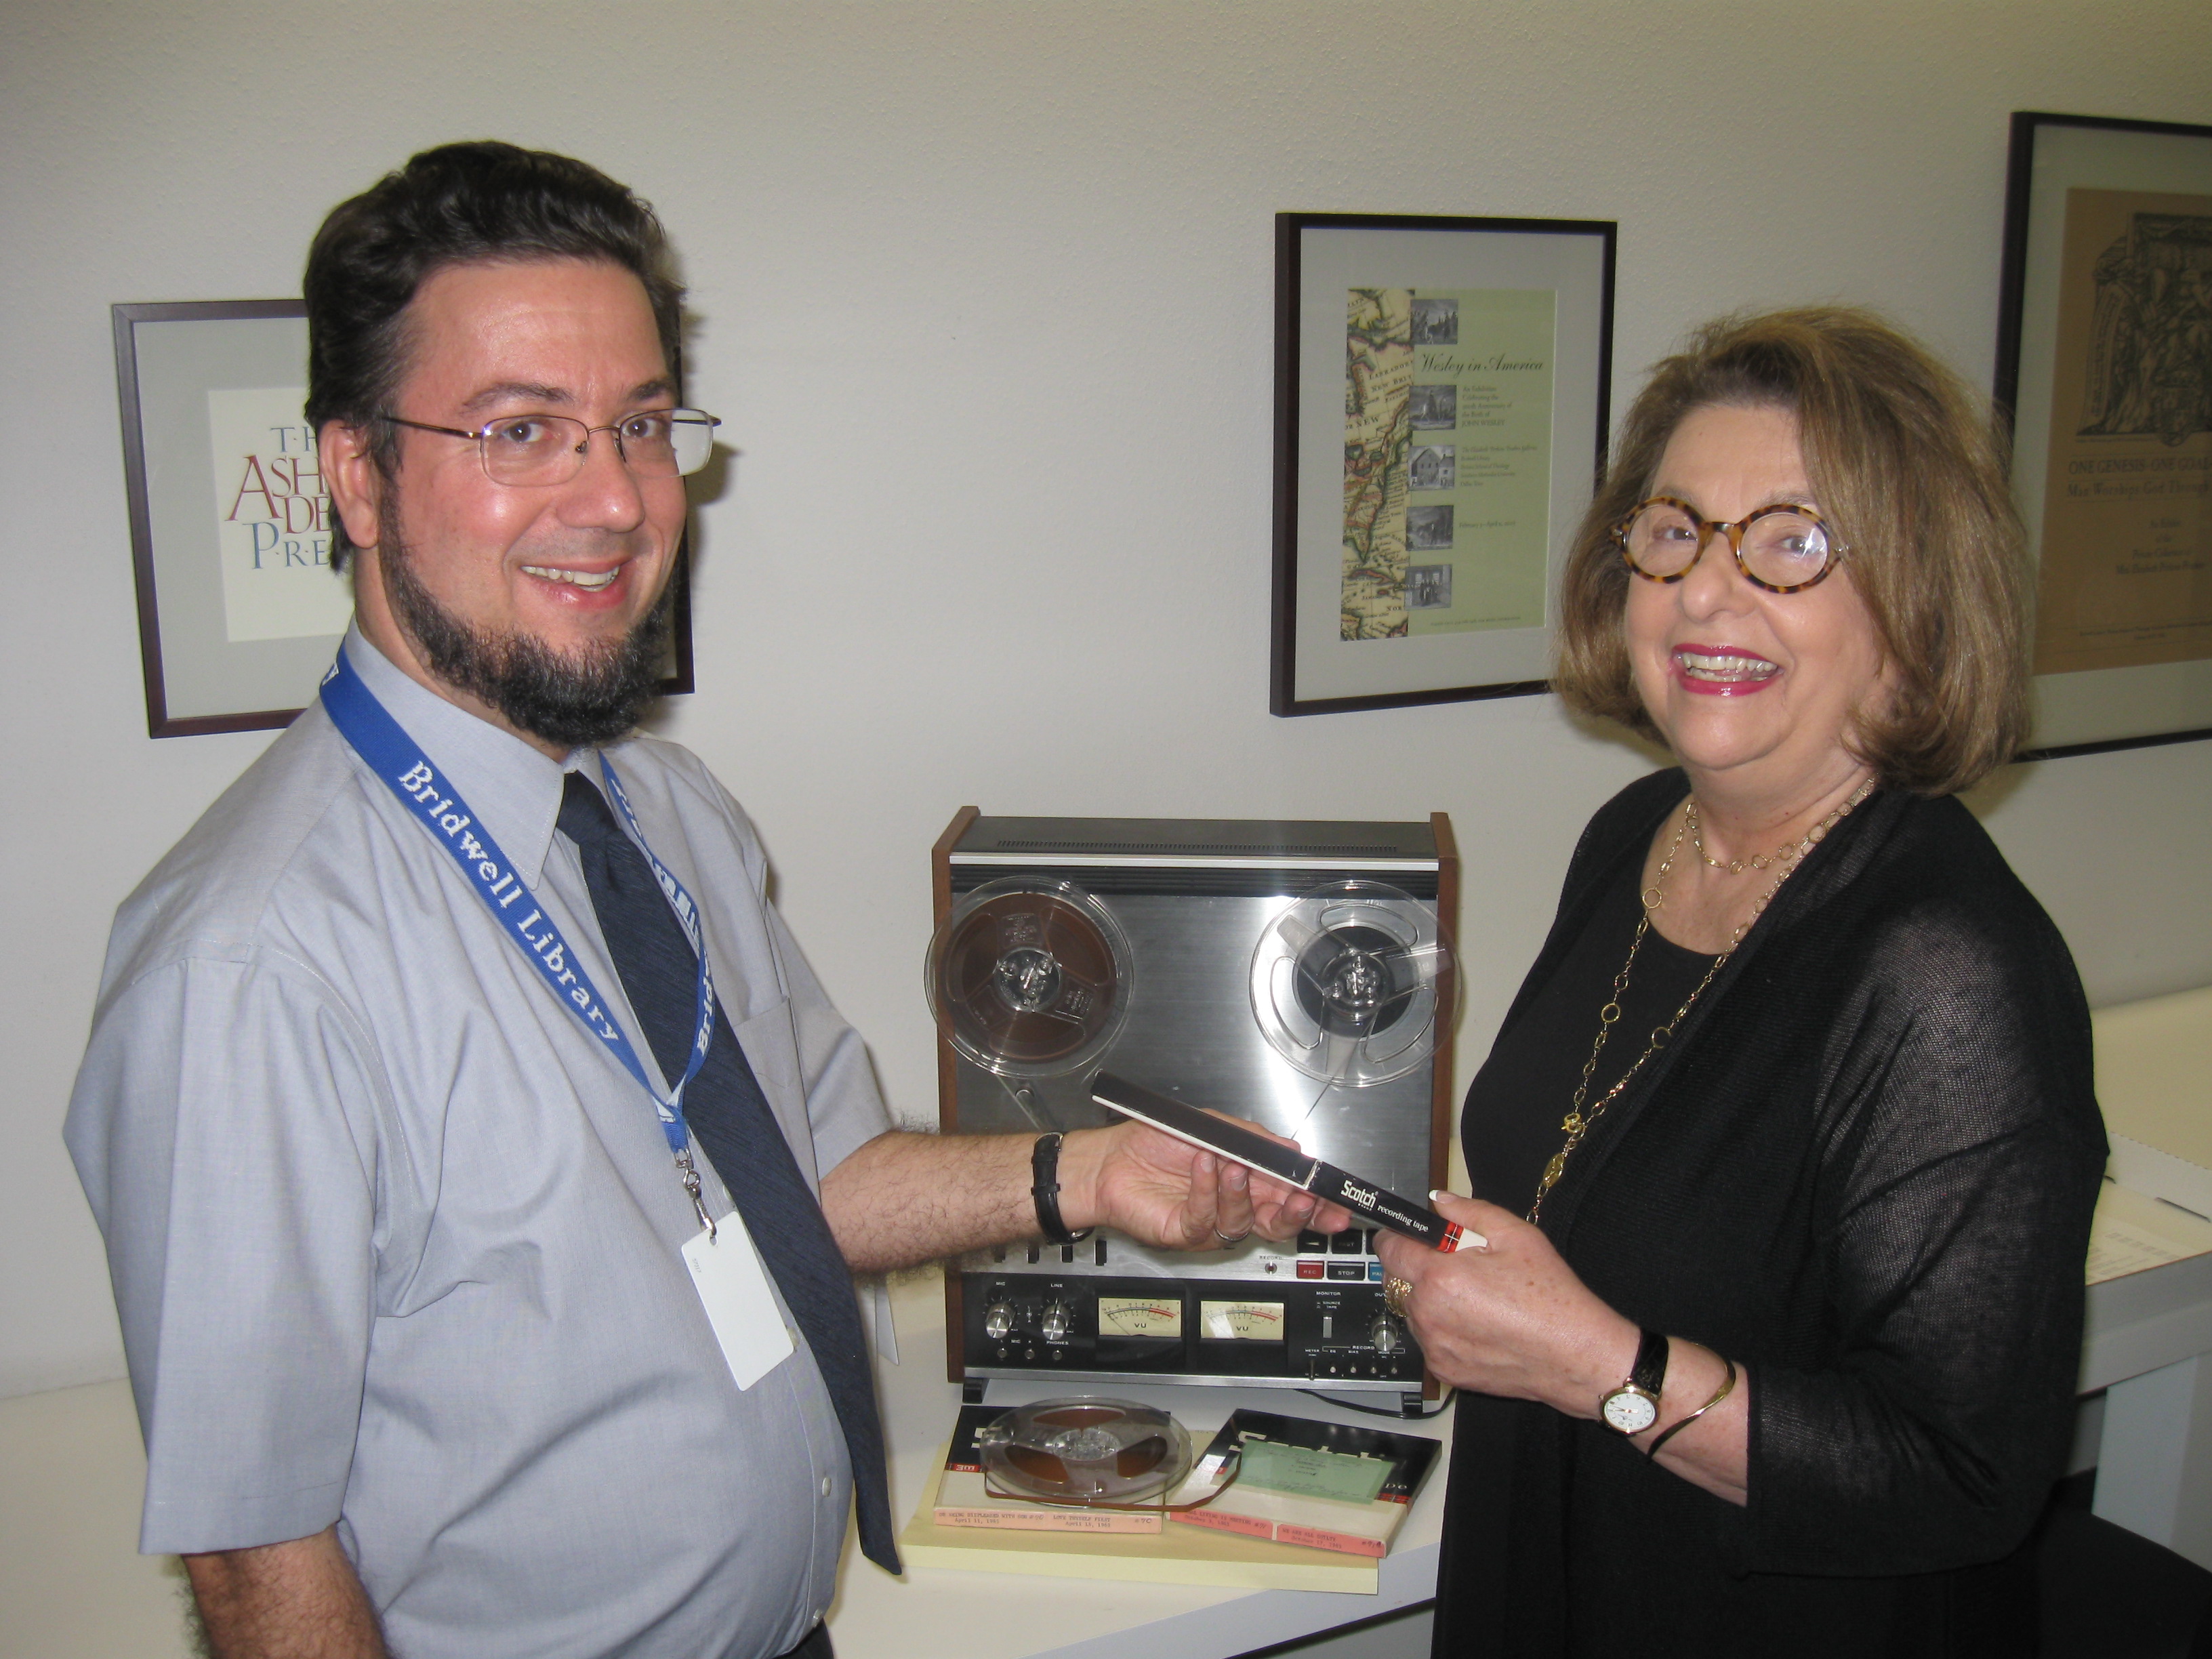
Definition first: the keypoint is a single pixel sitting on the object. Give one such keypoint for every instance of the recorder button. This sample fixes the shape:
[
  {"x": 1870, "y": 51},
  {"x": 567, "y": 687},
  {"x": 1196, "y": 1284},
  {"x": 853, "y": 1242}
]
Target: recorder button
[
  {"x": 1352, "y": 1241},
  {"x": 1310, "y": 1244},
  {"x": 1310, "y": 1269},
  {"x": 1347, "y": 1270}
]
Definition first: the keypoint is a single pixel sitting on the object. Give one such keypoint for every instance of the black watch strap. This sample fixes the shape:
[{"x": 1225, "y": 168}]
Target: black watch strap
[
  {"x": 1044, "y": 1188},
  {"x": 1650, "y": 1371}
]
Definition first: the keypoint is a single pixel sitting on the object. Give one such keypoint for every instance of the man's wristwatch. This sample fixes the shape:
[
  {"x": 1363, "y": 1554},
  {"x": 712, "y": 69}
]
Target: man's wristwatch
[{"x": 1634, "y": 1406}]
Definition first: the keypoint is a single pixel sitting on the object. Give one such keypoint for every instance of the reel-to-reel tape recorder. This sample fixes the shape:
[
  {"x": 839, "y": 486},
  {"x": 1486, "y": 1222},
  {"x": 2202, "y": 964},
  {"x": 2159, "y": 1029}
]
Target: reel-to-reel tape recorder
[{"x": 1299, "y": 975}]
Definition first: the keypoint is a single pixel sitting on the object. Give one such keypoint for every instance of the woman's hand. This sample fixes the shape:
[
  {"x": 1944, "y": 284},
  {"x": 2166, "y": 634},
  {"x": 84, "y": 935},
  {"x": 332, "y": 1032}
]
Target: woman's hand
[
  {"x": 1511, "y": 1319},
  {"x": 1514, "y": 1319}
]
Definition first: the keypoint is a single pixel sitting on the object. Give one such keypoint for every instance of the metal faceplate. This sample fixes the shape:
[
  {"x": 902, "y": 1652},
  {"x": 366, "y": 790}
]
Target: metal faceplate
[{"x": 1191, "y": 1034}]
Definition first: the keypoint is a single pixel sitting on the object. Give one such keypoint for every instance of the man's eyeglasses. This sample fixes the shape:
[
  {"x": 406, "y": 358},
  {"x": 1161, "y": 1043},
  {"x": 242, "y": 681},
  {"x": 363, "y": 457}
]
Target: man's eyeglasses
[
  {"x": 528, "y": 450},
  {"x": 1781, "y": 548}
]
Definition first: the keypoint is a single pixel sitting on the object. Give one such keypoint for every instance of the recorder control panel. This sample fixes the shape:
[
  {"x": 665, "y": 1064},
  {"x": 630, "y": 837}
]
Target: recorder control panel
[{"x": 1310, "y": 1332}]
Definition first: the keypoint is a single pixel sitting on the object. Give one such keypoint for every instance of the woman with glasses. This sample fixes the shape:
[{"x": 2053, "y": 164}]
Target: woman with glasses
[{"x": 1787, "y": 1150}]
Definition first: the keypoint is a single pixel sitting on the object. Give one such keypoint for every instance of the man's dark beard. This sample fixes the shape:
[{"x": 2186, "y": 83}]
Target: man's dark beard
[{"x": 592, "y": 698}]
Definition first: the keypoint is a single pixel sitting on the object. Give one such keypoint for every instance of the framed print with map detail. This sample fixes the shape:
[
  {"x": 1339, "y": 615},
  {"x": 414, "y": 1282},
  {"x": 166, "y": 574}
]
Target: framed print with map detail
[
  {"x": 1441, "y": 404},
  {"x": 238, "y": 610},
  {"x": 2104, "y": 364}
]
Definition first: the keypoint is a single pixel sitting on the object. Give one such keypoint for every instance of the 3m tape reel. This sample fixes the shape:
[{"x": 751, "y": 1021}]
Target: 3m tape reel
[
  {"x": 1085, "y": 1451},
  {"x": 1345, "y": 982},
  {"x": 1029, "y": 977}
]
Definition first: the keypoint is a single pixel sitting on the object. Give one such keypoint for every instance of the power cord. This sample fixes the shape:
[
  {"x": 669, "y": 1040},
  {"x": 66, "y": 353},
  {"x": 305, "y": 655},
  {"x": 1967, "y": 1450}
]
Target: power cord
[{"x": 1377, "y": 1411}]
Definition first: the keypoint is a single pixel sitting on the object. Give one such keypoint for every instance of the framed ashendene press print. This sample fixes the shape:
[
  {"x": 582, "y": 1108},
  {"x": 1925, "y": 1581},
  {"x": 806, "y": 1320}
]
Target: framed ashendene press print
[
  {"x": 238, "y": 610},
  {"x": 2104, "y": 363},
  {"x": 1440, "y": 405}
]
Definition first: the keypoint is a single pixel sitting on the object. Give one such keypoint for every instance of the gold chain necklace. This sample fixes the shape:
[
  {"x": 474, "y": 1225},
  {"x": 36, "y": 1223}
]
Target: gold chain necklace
[
  {"x": 1576, "y": 1124},
  {"x": 1784, "y": 854}
]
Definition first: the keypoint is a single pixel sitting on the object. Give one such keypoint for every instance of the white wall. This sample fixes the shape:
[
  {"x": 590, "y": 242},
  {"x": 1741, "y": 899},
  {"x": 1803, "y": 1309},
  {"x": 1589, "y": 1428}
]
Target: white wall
[{"x": 984, "y": 294}]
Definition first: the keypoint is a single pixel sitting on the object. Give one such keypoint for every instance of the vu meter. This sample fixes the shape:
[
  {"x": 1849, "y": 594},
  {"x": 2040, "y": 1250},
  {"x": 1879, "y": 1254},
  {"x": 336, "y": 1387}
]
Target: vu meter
[
  {"x": 1139, "y": 1315},
  {"x": 1242, "y": 1321}
]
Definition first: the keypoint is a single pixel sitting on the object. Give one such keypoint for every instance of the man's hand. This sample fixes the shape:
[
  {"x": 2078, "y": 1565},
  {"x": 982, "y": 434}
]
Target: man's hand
[
  {"x": 905, "y": 1198},
  {"x": 1159, "y": 1190},
  {"x": 300, "y": 1599}
]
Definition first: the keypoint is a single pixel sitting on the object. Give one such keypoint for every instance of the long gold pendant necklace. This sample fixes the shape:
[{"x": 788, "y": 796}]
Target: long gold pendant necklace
[{"x": 1577, "y": 1123}]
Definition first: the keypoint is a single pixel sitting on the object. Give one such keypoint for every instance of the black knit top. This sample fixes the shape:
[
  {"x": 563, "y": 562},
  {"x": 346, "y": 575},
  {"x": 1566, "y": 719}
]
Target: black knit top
[{"x": 1865, "y": 1169}]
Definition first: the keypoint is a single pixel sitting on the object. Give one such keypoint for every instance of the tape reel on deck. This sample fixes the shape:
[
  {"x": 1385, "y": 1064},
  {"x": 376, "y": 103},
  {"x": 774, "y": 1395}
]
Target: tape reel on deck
[
  {"x": 1107, "y": 1452},
  {"x": 1029, "y": 977},
  {"x": 1345, "y": 982}
]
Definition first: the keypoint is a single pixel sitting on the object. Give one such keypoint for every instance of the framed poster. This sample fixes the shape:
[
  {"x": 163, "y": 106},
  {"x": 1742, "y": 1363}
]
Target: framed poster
[
  {"x": 2105, "y": 365},
  {"x": 238, "y": 610},
  {"x": 1441, "y": 404}
]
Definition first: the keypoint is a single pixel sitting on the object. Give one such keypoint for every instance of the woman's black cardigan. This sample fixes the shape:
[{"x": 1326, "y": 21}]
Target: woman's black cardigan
[{"x": 1864, "y": 1171}]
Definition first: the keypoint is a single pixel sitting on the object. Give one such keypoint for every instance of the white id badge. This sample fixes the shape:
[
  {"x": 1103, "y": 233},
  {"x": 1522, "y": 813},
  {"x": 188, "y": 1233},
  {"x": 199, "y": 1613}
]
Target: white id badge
[{"x": 734, "y": 1287}]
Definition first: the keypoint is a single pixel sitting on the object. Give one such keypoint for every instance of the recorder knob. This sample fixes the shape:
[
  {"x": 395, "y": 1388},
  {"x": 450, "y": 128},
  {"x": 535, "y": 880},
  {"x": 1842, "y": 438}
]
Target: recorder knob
[
  {"x": 1056, "y": 1321},
  {"x": 1385, "y": 1337},
  {"x": 998, "y": 1321}
]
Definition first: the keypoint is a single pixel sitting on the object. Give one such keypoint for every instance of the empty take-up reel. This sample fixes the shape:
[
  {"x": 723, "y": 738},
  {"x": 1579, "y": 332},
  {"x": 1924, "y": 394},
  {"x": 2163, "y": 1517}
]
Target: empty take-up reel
[{"x": 1345, "y": 982}]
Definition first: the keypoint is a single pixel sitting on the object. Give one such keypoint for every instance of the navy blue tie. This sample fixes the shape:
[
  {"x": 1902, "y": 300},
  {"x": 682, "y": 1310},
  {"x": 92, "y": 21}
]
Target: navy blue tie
[{"x": 731, "y": 1121}]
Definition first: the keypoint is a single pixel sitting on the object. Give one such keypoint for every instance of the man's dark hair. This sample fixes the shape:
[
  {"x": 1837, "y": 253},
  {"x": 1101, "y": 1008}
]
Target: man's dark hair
[{"x": 456, "y": 204}]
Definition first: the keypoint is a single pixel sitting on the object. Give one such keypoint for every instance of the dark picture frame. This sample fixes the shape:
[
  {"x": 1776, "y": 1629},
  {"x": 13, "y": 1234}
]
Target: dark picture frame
[
  {"x": 238, "y": 614},
  {"x": 1442, "y": 390},
  {"x": 2104, "y": 258}
]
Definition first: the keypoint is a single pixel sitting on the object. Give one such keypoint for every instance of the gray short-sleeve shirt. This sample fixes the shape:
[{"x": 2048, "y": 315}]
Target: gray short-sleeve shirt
[{"x": 395, "y": 1243}]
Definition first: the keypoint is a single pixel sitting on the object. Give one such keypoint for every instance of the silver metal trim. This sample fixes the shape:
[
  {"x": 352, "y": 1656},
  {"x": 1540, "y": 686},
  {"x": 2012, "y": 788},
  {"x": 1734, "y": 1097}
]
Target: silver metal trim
[
  {"x": 1179, "y": 1379},
  {"x": 1185, "y": 862}
]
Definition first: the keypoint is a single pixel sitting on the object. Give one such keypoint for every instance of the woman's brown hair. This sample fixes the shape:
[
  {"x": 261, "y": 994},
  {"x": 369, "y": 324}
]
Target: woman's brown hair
[{"x": 1904, "y": 463}]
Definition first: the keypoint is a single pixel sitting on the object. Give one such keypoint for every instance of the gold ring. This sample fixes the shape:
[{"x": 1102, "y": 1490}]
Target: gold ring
[{"x": 1395, "y": 1292}]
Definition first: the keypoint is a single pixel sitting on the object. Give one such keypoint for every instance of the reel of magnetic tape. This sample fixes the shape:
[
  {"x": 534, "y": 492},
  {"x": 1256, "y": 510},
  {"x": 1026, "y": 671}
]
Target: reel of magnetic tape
[
  {"x": 1029, "y": 978},
  {"x": 1084, "y": 1452}
]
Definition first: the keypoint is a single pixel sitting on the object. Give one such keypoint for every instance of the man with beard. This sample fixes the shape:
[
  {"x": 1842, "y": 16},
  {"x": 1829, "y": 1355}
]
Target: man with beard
[{"x": 481, "y": 1166}]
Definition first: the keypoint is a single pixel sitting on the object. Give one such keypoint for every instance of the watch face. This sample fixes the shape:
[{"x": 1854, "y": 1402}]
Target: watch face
[{"x": 1629, "y": 1410}]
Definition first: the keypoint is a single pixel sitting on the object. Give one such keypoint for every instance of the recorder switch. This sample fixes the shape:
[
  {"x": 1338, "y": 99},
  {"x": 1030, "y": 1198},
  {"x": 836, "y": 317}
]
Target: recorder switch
[
  {"x": 1056, "y": 1321},
  {"x": 999, "y": 1322}
]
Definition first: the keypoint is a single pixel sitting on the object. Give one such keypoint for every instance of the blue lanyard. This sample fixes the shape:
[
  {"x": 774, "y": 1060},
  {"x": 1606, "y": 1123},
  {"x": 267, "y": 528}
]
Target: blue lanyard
[{"x": 394, "y": 757}]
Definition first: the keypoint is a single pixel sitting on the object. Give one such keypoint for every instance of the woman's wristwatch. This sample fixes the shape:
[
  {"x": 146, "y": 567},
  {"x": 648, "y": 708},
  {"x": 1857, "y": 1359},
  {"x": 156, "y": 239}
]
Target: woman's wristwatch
[{"x": 1634, "y": 1406}]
